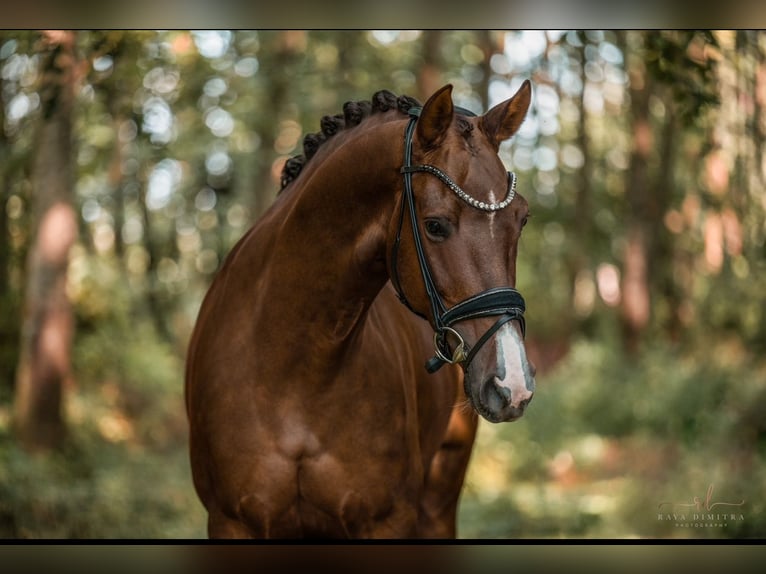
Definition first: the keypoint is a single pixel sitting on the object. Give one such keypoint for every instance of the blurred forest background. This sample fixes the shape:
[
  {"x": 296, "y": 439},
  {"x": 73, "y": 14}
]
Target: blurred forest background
[{"x": 131, "y": 161}]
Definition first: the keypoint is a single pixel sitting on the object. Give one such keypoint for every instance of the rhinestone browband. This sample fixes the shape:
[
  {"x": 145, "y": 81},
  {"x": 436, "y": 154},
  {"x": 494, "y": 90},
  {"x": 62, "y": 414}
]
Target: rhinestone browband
[{"x": 472, "y": 201}]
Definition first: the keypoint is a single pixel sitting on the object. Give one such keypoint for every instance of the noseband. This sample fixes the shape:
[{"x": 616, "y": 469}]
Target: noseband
[{"x": 506, "y": 303}]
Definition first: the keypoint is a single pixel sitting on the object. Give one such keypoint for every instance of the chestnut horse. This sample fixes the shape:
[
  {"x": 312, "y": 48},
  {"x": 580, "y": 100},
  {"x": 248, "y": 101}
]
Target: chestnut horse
[{"x": 311, "y": 413}]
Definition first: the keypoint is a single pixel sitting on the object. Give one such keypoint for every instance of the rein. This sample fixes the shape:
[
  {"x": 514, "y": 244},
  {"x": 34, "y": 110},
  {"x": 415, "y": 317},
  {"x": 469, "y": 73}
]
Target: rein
[{"x": 506, "y": 303}]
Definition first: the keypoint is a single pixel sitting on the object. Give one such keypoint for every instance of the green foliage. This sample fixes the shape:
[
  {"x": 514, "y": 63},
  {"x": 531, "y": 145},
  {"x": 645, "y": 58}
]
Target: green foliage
[
  {"x": 179, "y": 139},
  {"x": 675, "y": 58},
  {"x": 608, "y": 439},
  {"x": 124, "y": 469},
  {"x": 94, "y": 489}
]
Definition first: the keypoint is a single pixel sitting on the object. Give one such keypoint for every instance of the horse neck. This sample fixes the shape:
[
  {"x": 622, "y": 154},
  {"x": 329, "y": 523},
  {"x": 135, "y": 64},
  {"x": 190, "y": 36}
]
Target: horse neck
[{"x": 330, "y": 251}]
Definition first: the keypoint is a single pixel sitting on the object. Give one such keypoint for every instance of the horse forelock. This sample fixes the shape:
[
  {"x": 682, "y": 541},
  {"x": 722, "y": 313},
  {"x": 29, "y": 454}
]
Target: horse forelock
[{"x": 354, "y": 113}]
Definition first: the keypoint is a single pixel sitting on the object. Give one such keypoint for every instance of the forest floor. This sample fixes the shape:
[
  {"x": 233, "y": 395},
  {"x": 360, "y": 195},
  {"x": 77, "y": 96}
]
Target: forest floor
[{"x": 606, "y": 450}]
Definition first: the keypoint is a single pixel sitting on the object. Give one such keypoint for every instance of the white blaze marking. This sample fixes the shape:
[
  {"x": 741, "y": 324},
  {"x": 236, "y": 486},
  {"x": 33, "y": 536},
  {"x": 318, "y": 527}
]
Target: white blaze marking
[
  {"x": 492, "y": 215},
  {"x": 510, "y": 353}
]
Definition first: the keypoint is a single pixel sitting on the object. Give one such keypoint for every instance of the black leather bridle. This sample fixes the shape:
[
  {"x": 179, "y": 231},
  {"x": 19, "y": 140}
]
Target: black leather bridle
[{"x": 506, "y": 303}]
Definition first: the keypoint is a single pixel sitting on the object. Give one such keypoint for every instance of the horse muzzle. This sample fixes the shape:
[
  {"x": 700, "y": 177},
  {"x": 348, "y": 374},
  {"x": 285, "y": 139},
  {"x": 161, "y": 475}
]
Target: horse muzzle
[
  {"x": 501, "y": 381},
  {"x": 499, "y": 403}
]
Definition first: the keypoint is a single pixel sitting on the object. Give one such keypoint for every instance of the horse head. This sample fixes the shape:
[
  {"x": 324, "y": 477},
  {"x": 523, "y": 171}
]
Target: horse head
[{"x": 454, "y": 263}]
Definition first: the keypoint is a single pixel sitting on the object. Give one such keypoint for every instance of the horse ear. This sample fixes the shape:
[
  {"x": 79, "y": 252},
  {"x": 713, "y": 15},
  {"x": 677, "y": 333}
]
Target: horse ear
[
  {"x": 502, "y": 121},
  {"x": 435, "y": 118}
]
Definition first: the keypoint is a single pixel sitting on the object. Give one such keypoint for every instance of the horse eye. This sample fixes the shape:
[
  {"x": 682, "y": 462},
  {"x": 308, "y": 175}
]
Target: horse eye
[{"x": 436, "y": 229}]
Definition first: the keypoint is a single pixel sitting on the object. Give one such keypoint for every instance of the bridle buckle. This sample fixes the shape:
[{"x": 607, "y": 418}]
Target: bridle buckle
[{"x": 458, "y": 355}]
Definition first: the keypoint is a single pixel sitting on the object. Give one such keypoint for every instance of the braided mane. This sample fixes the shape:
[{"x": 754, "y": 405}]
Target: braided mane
[{"x": 353, "y": 114}]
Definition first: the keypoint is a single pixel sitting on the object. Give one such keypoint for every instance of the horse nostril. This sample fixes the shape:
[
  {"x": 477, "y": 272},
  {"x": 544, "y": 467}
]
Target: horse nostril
[
  {"x": 503, "y": 391},
  {"x": 497, "y": 395},
  {"x": 532, "y": 368}
]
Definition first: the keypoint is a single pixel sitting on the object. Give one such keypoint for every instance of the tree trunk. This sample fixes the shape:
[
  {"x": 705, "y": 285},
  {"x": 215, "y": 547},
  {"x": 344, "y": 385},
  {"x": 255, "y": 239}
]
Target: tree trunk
[
  {"x": 664, "y": 251},
  {"x": 5, "y": 193},
  {"x": 9, "y": 332},
  {"x": 578, "y": 262},
  {"x": 430, "y": 74},
  {"x": 286, "y": 48},
  {"x": 47, "y": 324},
  {"x": 485, "y": 40},
  {"x": 636, "y": 304},
  {"x": 158, "y": 311}
]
